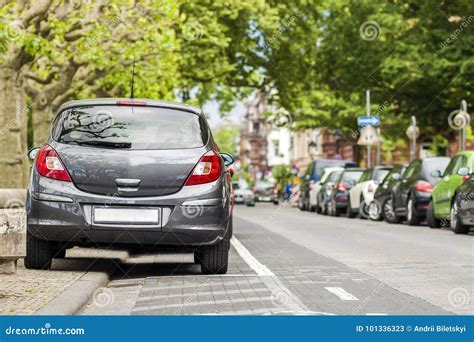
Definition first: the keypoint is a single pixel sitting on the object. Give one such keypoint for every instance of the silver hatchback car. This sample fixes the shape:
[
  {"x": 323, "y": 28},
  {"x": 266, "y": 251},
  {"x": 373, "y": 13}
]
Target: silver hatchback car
[{"x": 129, "y": 173}]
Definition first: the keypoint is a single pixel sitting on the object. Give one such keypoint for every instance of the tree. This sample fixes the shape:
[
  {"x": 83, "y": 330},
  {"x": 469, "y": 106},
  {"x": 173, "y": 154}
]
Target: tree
[{"x": 226, "y": 138}]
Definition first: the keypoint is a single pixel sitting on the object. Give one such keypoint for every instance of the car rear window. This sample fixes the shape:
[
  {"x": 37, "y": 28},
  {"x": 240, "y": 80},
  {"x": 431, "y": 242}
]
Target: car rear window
[
  {"x": 351, "y": 176},
  {"x": 380, "y": 174},
  {"x": 432, "y": 164},
  {"x": 130, "y": 127}
]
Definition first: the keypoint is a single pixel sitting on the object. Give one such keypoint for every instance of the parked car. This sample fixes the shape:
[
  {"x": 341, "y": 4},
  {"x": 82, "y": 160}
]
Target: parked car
[
  {"x": 326, "y": 190},
  {"x": 462, "y": 211},
  {"x": 362, "y": 194},
  {"x": 313, "y": 174},
  {"x": 412, "y": 194},
  {"x": 243, "y": 194},
  {"x": 442, "y": 199},
  {"x": 381, "y": 207},
  {"x": 129, "y": 173},
  {"x": 339, "y": 199},
  {"x": 316, "y": 187},
  {"x": 264, "y": 191}
]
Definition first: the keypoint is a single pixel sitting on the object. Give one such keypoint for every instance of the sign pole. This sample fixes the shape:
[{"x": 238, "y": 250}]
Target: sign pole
[{"x": 368, "y": 114}]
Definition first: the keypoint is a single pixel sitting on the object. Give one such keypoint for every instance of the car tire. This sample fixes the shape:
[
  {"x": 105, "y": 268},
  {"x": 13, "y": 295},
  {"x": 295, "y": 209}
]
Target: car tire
[
  {"x": 412, "y": 218},
  {"x": 300, "y": 204},
  {"x": 215, "y": 258},
  {"x": 456, "y": 224},
  {"x": 318, "y": 209},
  {"x": 59, "y": 252},
  {"x": 250, "y": 204},
  {"x": 388, "y": 212},
  {"x": 431, "y": 219},
  {"x": 375, "y": 211},
  {"x": 39, "y": 253},
  {"x": 363, "y": 210},
  {"x": 312, "y": 208}
]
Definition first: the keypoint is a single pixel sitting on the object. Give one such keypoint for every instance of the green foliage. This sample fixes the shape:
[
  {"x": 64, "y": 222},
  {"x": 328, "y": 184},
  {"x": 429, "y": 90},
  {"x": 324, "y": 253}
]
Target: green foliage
[
  {"x": 226, "y": 138},
  {"x": 282, "y": 174}
]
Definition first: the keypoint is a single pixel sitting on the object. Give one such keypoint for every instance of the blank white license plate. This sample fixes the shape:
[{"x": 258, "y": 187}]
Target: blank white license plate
[{"x": 126, "y": 215}]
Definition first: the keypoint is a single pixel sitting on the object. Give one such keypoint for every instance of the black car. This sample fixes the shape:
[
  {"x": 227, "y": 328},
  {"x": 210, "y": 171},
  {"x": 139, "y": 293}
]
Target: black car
[
  {"x": 313, "y": 174},
  {"x": 462, "y": 211},
  {"x": 412, "y": 195},
  {"x": 339, "y": 198},
  {"x": 381, "y": 207},
  {"x": 326, "y": 190}
]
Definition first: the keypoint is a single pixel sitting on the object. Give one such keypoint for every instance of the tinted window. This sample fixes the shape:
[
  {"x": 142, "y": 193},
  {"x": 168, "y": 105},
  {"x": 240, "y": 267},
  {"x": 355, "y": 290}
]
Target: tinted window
[
  {"x": 411, "y": 169},
  {"x": 322, "y": 164},
  {"x": 351, "y": 176},
  {"x": 431, "y": 164},
  {"x": 365, "y": 176},
  {"x": 450, "y": 167},
  {"x": 333, "y": 176},
  {"x": 380, "y": 175},
  {"x": 133, "y": 127}
]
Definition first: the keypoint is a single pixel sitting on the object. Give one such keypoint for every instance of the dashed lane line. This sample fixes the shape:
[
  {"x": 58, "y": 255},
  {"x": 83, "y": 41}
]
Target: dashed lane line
[{"x": 341, "y": 293}]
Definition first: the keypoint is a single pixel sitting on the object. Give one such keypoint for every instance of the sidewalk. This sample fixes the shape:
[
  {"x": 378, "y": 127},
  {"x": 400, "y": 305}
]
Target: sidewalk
[{"x": 31, "y": 290}]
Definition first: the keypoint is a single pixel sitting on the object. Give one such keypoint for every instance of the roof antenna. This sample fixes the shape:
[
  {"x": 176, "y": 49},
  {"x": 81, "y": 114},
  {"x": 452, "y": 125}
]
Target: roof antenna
[{"x": 133, "y": 78}]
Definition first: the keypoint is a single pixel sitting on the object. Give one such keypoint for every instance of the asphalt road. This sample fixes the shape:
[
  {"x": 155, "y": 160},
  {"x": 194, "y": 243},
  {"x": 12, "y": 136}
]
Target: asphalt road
[{"x": 284, "y": 261}]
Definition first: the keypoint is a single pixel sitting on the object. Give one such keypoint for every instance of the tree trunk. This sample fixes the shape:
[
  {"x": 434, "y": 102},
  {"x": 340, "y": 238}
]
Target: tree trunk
[
  {"x": 14, "y": 164},
  {"x": 42, "y": 118}
]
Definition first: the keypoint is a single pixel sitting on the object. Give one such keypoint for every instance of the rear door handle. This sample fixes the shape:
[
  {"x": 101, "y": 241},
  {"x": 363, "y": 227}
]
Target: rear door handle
[{"x": 127, "y": 182}]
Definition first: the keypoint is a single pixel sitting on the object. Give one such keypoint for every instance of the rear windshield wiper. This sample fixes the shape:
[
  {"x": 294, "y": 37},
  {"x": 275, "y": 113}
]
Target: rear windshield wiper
[{"x": 105, "y": 143}]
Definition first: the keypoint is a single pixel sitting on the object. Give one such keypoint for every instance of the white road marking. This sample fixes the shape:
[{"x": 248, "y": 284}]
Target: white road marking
[
  {"x": 253, "y": 263},
  {"x": 202, "y": 294},
  {"x": 341, "y": 293}
]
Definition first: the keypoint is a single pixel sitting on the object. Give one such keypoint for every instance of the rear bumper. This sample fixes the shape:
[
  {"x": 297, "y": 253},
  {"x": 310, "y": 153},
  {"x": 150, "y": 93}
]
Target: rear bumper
[{"x": 196, "y": 215}]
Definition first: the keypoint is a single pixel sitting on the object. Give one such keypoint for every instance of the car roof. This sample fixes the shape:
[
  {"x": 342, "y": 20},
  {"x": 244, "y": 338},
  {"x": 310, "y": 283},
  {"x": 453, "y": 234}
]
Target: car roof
[
  {"x": 113, "y": 101},
  {"x": 354, "y": 169},
  {"x": 465, "y": 153}
]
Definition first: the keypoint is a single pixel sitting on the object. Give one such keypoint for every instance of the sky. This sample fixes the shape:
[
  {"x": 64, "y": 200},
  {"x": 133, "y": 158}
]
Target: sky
[{"x": 215, "y": 120}]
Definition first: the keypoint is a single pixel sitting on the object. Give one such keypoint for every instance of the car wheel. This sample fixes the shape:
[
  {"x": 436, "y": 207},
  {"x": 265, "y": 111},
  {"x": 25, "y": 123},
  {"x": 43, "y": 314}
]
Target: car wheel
[
  {"x": 363, "y": 210},
  {"x": 300, "y": 204},
  {"x": 312, "y": 208},
  {"x": 431, "y": 219},
  {"x": 39, "y": 253},
  {"x": 412, "y": 218},
  {"x": 318, "y": 209},
  {"x": 375, "y": 212},
  {"x": 215, "y": 258},
  {"x": 389, "y": 213},
  {"x": 456, "y": 224}
]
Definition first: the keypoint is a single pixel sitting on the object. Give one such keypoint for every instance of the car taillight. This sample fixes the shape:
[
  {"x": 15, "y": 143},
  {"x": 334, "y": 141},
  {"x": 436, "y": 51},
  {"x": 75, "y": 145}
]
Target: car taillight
[
  {"x": 208, "y": 169},
  {"x": 341, "y": 187},
  {"x": 48, "y": 164},
  {"x": 465, "y": 178},
  {"x": 423, "y": 186}
]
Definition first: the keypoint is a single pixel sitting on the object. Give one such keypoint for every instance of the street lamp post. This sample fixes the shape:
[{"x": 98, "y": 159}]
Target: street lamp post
[{"x": 412, "y": 132}]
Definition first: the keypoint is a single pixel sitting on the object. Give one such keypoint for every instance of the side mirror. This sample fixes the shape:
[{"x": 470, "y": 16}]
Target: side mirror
[
  {"x": 436, "y": 174},
  {"x": 231, "y": 171},
  {"x": 228, "y": 159},
  {"x": 33, "y": 152},
  {"x": 463, "y": 171},
  {"x": 396, "y": 176}
]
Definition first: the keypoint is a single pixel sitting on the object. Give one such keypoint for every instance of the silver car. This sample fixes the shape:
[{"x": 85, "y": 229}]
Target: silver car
[{"x": 129, "y": 173}]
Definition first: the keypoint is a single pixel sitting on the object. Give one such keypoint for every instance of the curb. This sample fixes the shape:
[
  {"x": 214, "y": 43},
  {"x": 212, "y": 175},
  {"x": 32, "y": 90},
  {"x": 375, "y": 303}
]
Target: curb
[{"x": 76, "y": 296}]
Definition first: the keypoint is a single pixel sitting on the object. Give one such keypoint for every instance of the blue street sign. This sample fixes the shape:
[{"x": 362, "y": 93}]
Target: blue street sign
[{"x": 368, "y": 120}]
